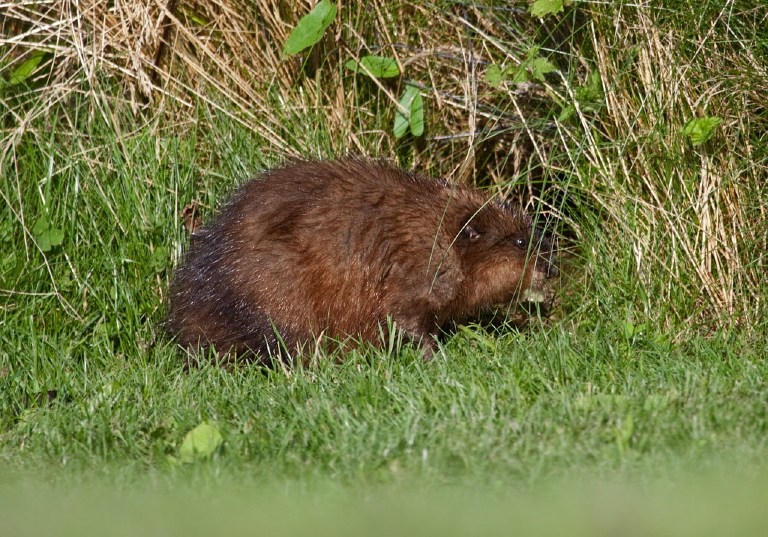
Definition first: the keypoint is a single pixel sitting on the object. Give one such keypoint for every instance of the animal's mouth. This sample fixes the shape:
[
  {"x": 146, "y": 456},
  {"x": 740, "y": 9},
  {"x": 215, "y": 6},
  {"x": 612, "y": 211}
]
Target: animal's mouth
[
  {"x": 534, "y": 295},
  {"x": 538, "y": 290}
]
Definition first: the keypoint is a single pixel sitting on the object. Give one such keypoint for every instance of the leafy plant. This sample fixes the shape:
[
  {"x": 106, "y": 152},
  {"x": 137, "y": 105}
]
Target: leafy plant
[
  {"x": 412, "y": 103},
  {"x": 542, "y": 8},
  {"x": 533, "y": 67},
  {"x": 377, "y": 66},
  {"x": 699, "y": 130},
  {"x": 310, "y": 28},
  {"x": 27, "y": 68},
  {"x": 47, "y": 235},
  {"x": 200, "y": 443}
]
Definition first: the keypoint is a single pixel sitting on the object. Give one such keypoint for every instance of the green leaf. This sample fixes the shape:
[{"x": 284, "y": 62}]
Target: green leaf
[
  {"x": 701, "y": 129},
  {"x": 630, "y": 330},
  {"x": 520, "y": 75},
  {"x": 46, "y": 235},
  {"x": 566, "y": 113},
  {"x": 378, "y": 66},
  {"x": 311, "y": 28},
  {"x": 540, "y": 67},
  {"x": 401, "y": 120},
  {"x": 411, "y": 101},
  {"x": 592, "y": 91},
  {"x": 417, "y": 115},
  {"x": 494, "y": 75},
  {"x": 160, "y": 258},
  {"x": 541, "y": 8},
  {"x": 56, "y": 236},
  {"x": 200, "y": 443},
  {"x": 195, "y": 16},
  {"x": 587, "y": 96},
  {"x": 26, "y": 69}
]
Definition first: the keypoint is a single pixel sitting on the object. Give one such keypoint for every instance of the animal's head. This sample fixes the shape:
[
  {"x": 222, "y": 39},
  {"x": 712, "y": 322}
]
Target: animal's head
[{"x": 505, "y": 256}]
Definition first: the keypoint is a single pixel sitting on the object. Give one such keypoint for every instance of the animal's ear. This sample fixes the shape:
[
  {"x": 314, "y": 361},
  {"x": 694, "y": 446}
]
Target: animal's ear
[{"x": 471, "y": 232}]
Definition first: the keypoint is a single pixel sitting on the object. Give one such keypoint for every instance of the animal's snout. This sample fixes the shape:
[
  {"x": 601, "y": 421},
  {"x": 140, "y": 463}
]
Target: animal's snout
[
  {"x": 546, "y": 260},
  {"x": 550, "y": 263}
]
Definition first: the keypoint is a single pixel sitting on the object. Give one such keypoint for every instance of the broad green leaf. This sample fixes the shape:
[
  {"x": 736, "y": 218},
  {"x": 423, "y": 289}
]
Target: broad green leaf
[
  {"x": 378, "y": 66},
  {"x": 26, "y": 69},
  {"x": 41, "y": 226},
  {"x": 56, "y": 236},
  {"x": 200, "y": 443},
  {"x": 411, "y": 101},
  {"x": 494, "y": 75},
  {"x": 701, "y": 129},
  {"x": 540, "y": 8},
  {"x": 46, "y": 235},
  {"x": 417, "y": 115},
  {"x": 310, "y": 28},
  {"x": 540, "y": 67},
  {"x": 401, "y": 120}
]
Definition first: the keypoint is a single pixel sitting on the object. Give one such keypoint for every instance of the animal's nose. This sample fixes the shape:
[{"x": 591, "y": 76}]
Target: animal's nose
[
  {"x": 552, "y": 270},
  {"x": 546, "y": 261}
]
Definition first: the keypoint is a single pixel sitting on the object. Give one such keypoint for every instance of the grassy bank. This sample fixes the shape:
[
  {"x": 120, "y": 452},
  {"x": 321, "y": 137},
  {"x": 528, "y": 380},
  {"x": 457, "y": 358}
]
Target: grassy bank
[{"x": 650, "y": 370}]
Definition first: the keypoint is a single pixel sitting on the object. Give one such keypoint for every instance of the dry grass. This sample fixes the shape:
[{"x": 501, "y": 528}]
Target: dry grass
[
  {"x": 691, "y": 217},
  {"x": 693, "y": 206},
  {"x": 227, "y": 56}
]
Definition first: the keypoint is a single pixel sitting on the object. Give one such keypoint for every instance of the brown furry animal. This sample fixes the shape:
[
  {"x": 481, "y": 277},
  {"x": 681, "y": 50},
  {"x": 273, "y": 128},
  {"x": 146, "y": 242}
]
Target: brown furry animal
[{"x": 336, "y": 248}]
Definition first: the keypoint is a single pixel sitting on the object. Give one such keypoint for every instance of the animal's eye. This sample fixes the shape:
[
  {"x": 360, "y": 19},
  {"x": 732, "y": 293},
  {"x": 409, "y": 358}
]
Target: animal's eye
[{"x": 521, "y": 243}]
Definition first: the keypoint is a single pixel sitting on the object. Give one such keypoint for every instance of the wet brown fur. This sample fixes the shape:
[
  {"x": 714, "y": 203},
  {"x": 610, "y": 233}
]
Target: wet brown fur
[{"x": 336, "y": 248}]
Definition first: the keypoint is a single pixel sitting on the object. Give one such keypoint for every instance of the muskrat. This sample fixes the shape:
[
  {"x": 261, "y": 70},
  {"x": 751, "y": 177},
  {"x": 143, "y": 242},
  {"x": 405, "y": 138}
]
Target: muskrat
[{"x": 346, "y": 249}]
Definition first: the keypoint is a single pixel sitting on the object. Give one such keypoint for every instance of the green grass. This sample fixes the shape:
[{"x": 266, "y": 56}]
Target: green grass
[
  {"x": 509, "y": 410},
  {"x": 729, "y": 508},
  {"x": 502, "y": 411},
  {"x": 639, "y": 405}
]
